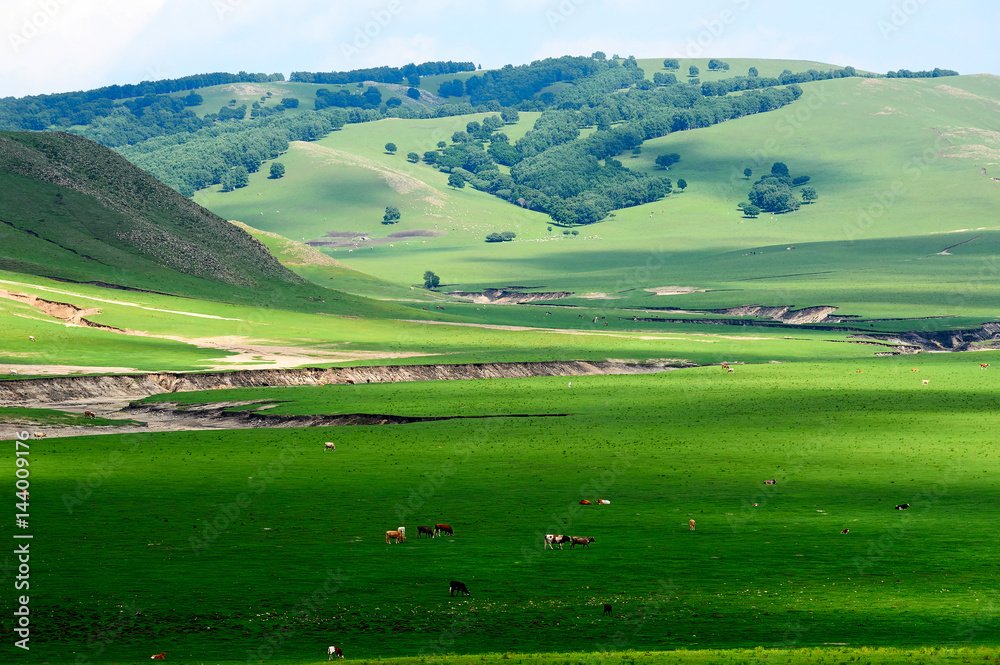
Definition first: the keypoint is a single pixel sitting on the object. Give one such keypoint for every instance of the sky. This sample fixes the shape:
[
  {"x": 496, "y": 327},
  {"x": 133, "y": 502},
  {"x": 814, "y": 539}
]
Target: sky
[{"x": 49, "y": 46}]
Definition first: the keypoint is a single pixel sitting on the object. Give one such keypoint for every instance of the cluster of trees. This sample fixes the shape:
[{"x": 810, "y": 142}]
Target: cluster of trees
[
  {"x": 717, "y": 65},
  {"x": 506, "y": 236},
  {"x": 922, "y": 74},
  {"x": 774, "y": 192},
  {"x": 667, "y": 160},
  {"x": 384, "y": 74},
  {"x": 453, "y": 88},
  {"x": 671, "y": 63},
  {"x": 39, "y": 112},
  {"x": 371, "y": 98},
  {"x": 510, "y": 86}
]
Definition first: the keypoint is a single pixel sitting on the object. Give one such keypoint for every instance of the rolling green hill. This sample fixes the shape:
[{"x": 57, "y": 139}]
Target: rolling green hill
[
  {"x": 904, "y": 169},
  {"x": 78, "y": 212}
]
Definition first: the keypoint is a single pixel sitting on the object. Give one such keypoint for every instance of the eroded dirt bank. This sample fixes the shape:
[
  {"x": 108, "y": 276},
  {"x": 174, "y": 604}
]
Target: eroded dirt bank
[{"x": 86, "y": 391}]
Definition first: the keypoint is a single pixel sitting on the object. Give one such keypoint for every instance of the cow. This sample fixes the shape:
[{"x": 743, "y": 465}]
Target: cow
[
  {"x": 89, "y": 414},
  {"x": 581, "y": 540},
  {"x": 13, "y": 372},
  {"x": 730, "y": 370},
  {"x": 845, "y": 531},
  {"x": 457, "y": 587},
  {"x": 983, "y": 365},
  {"x": 334, "y": 652},
  {"x": 903, "y": 506},
  {"x": 926, "y": 381},
  {"x": 691, "y": 524},
  {"x": 584, "y": 502},
  {"x": 443, "y": 528},
  {"x": 555, "y": 539},
  {"x": 421, "y": 530},
  {"x": 607, "y": 610},
  {"x": 329, "y": 446},
  {"x": 31, "y": 337},
  {"x": 772, "y": 481},
  {"x": 603, "y": 502},
  {"x": 39, "y": 435},
  {"x": 914, "y": 370},
  {"x": 159, "y": 656},
  {"x": 394, "y": 535}
]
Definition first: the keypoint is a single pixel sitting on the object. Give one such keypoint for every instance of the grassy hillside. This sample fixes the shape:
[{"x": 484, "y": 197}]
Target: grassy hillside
[
  {"x": 898, "y": 165},
  {"x": 78, "y": 212},
  {"x": 767, "y": 564}
]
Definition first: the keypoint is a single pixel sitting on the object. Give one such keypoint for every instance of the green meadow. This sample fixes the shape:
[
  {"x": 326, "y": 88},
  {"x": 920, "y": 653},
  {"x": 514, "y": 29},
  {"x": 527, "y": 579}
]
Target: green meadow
[{"x": 259, "y": 545}]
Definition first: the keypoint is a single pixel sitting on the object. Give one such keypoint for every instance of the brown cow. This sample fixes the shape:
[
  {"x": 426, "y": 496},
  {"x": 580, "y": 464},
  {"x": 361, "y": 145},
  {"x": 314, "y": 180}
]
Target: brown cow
[
  {"x": 395, "y": 536},
  {"x": 584, "y": 502},
  {"x": 578, "y": 540},
  {"x": 89, "y": 414},
  {"x": 443, "y": 528}
]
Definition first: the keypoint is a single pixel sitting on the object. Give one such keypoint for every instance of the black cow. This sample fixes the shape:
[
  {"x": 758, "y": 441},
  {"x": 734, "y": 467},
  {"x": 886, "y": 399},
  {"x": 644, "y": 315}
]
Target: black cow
[
  {"x": 458, "y": 587},
  {"x": 421, "y": 530},
  {"x": 607, "y": 609},
  {"x": 773, "y": 481},
  {"x": 903, "y": 506}
]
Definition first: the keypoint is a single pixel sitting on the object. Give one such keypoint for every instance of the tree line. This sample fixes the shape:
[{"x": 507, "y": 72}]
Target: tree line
[{"x": 384, "y": 74}]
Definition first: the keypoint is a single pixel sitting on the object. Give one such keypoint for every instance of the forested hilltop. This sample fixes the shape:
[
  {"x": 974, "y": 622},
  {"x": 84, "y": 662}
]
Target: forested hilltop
[{"x": 594, "y": 108}]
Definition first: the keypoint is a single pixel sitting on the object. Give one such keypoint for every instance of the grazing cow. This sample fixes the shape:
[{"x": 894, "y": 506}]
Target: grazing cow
[
  {"x": 603, "y": 502},
  {"x": 31, "y": 337},
  {"x": 926, "y": 381},
  {"x": 691, "y": 524},
  {"x": 329, "y": 446},
  {"x": 581, "y": 540},
  {"x": 159, "y": 656},
  {"x": 350, "y": 382},
  {"x": 89, "y": 414},
  {"x": 457, "y": 587},
  {"x": 443, "y": 528},
  {"x": 772, "y": 481},
  {"x": 13, "y": 372},
  {"x": 395, "y": 536},
  {"x": 555, "y": 539},
  {"x": 730, "y": 370},
  {"x": 334, "y": 652},
  {"x": 845, "y": 531},
  {"x": 421, "y": 530},
  {"x": 903, "y": 506},
  {"x": 607, "y": 609},
  {"x": 983, "y": 365},
  {"x": 39, "y": 435},
  {"x": 584, "y": 502}
]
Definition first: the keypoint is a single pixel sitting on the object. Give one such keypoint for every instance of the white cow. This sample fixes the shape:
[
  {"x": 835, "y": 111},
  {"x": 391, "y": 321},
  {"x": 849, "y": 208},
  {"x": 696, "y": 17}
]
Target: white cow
[
  {"x": 328, "y": 446},
  {"x": 13, "y": 372},
  {"x": 334, "y": 652}
]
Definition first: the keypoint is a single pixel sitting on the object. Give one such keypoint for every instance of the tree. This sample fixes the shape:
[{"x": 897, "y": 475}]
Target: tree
[
  {"x": 431, "y": 281},
  {"x": 753, "y": 72},
  {"x": 772, "y": 194},
  {"x": 599, "y": 55},
  {"x": 693, "y": 71},
  {"x": 682, "y": 184},
  {"x": 413, "y": 157},
  {"x": 413, "y": 80},
  {"x": 509, "y": 116},
  {"x": 809, "y": 194},
  {"x": 290, "y": 102},
  {"x": 441, "y": 145},
  {"x": 413, "y": 93},
  {"x": 390, "y": 148},
  {"x": 800, "y": 180},
  {"x": 456, "y": 180},
  {"x": 747, "y": 172},
  {"x": 751, "y": 211},
  {"x": 779, "y": 169},
  {"x": 391, "y": 215},
  {"x": 666, "y": 161},
  {"x": 671, "y": 63},
  {"x": 277, "y": 170},
  {"x": 659, "y": 78}
]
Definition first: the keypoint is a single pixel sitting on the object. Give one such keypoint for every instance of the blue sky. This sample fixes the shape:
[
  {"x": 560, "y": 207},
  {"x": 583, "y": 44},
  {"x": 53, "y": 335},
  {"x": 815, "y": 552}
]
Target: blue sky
[{"x": 60, "y": 45}]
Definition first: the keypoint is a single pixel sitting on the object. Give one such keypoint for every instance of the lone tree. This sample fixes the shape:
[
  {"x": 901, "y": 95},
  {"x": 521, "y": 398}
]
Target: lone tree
[
  {"x": 809, "y": 194},
  {"x": 751, "y": 211},
  {"x": 682, "y": 184},
  {"x": 391, "y": 215},
  {"x": 431, "y": 281},
  {"x": 413, "y": 157},
  {"x": 390, "y": 148},
  {"x": 747, "y": 172},
  {"x": 456, "y": 180},
  {"x": 277, "y": 170},
  {"x": 693, "y": 71}
]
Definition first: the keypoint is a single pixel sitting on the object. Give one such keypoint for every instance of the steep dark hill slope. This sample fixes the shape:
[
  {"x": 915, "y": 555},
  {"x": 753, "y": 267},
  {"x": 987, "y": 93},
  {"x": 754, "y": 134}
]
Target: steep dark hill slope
[{"x": 77, "y": 211}]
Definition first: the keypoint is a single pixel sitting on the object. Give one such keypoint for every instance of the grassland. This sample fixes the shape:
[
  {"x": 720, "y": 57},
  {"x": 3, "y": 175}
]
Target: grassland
[
  {"x": 897, "y": 164},
  {"x": 844, "y": 446}
]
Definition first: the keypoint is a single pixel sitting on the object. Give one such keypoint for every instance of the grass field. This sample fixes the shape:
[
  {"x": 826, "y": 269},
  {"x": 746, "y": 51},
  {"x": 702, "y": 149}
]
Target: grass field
[
  {"x": 871, "y": 244},
  {"x": 845, "y": 447}
]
